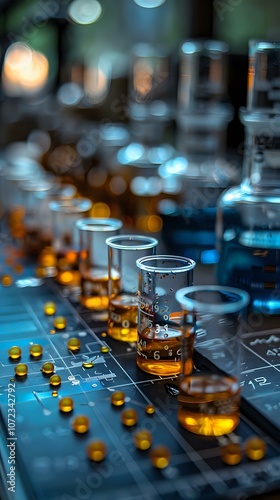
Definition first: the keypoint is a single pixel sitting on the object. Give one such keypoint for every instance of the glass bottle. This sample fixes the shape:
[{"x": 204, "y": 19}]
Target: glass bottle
[
  {"x": 150, "y": 116},
  {"x": 248, "y": 216},
  {"x": 200, "y": 163}
]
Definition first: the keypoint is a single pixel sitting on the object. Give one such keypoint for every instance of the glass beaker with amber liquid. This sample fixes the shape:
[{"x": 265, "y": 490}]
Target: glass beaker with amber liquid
[
  {"x": 93, "y": 262},
  {"x": 209, "y": 397},
  {"x": 65, "y": 214},
  {"x": 159, "y": 339},
  {"x": 123, "y": 251}
]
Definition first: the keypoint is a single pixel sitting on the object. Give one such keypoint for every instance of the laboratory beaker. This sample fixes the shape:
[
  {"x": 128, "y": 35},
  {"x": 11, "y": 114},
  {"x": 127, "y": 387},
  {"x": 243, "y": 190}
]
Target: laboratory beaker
[
  {"x": 93, "y": 261},
  {"x": 209, "y": 397},
  {"x": 159, "y": 333},
  {"x": 123, "y": 251}
]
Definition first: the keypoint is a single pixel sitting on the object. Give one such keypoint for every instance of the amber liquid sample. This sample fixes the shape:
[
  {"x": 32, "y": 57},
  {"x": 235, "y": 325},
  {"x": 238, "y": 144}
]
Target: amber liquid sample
[
  {"x": 159, "y": 350},
  {"x": 15, "y": 222},
  {"x": 94, "y": 289},
  {"x": 47, "y": 261},
  {"x": 209, "y": 404},
  {"x": 67, "y": 268},
  {"x": 123, "y": 318},
  {"x": 32, "y": 241}
]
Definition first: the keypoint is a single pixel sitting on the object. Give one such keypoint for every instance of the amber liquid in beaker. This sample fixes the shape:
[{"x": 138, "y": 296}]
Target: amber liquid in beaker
[
  {"x": 94, "y": 288},
  {"x": 67, "y": 267},
  {"x": 123, "y": 318},
  {"x": 209, "y": 404},
  {"x": 159, "y": 350}
]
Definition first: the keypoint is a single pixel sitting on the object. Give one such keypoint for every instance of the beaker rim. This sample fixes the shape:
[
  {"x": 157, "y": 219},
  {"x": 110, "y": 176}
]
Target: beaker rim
[
  {"x": 99, "y": 224},
  {"x": 141, "y": 242},
  {"x": 66, "y": 206},
  {"x": 169, "y": 263},
  {"x": 188, "y": 303}
]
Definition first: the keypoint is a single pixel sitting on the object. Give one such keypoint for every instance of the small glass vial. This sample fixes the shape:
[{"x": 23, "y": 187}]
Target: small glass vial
[{"x": 248, "y": 216}]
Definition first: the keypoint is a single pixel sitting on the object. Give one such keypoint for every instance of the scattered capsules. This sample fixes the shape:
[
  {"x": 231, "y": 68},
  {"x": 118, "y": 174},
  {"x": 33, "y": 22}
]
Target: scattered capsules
[
  {"x": 47, "y": 368},
  {"x": 60, "y": 322},
  {"x": 14, "y": 352},
  {"x": 142, "y": 439},
  {"x": 49, "y": 308},
  {"x": 55, "y": 380},
  {"x": 36, "y": 350},
  {"x": 160, "y": 456},
  {"x": 81, "y": 424},
  {"x": 74, "y": 344},
  {"x": 129, "y": 417},
  {"x": 66, "y": 404},
  {"x": 21, "y": 370},
  {"x": 117, "y": 398},
  {"x": 96, "y": 451}
]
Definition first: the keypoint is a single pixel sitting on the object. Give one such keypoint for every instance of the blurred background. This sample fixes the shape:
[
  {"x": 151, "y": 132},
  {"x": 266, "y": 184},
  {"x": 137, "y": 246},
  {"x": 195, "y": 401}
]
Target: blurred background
[
  {"x": 88, "y": 43},
  {"x": 82, "y": 80}
]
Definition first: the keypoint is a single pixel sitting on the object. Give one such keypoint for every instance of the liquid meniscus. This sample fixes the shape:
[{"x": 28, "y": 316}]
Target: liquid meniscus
[
  {"x": 94, "y": 289},
  {"x": 123, "y": 318},
  {"x": 209, "y": 404},
  {"x": 159, "y": 351}
]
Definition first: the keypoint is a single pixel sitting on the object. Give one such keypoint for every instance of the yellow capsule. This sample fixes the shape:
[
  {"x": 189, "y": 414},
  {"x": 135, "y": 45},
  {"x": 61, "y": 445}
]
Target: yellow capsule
[
  {"x": 14, "y": 352},
  {"x": 104, "y": 349},
  {"x": 129, "y": 417},
  {"x": 35, "y": 350},
  {"x": 103, "y": 334},
  {"x": 66, "y": 405},
  {"x": 74, "y": 344},
  {"x": 117, "y": 398},
  {"x": 48, "y": 368},
  {"x": 150, "y": 409},
  {"x": 49, "y": 308},
  {"x": 21, "y": 369},
  {"x": 6, "y": 280},
  {"x": 160, "y": 456},
  {"x": 231, "y": 453},
  {"x": 142, "y": 439},
  {"x": 81, "y": 424},
  {"x": 88, "y": 364},
  {"x": 52, "y": 331},
  {"x": 96, "y": 451},
  {"x": 55, "y": 380},
  {"x": 54, "y": 394},
  {"x": 60, "y": 322},
  {"x": 255, "y": 448}
]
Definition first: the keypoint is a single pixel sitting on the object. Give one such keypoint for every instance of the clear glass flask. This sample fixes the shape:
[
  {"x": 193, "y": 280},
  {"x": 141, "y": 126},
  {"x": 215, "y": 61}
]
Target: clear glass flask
[
  {"x": 201, "y": 164},
  {"x": 248, "y": 216}
]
